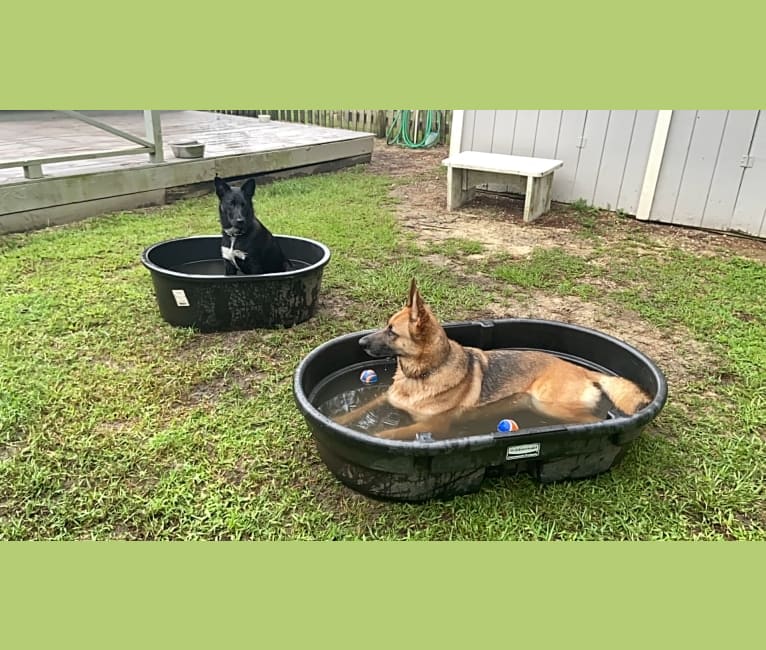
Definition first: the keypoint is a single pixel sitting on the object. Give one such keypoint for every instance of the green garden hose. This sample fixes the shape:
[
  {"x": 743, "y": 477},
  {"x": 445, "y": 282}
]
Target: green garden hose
[{"x": 399, "y": 130}]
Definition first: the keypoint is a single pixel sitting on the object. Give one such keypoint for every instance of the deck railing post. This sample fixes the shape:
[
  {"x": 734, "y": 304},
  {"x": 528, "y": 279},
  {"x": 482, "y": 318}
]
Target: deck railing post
[{"x": 154, "y": 135}]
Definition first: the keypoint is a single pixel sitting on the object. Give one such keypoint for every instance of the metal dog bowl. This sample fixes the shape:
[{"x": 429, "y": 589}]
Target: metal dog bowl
[
  {"x": 419, "y": 470},
  {"x": 188, "y": 149},
  {"x": 193, "y": 291}
]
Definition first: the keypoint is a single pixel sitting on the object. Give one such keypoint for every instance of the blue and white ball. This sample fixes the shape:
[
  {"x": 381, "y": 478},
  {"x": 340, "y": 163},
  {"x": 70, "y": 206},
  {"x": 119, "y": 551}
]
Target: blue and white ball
[
  {"x": 368, "y": 377},
  {"x": 507, "y": 425}
]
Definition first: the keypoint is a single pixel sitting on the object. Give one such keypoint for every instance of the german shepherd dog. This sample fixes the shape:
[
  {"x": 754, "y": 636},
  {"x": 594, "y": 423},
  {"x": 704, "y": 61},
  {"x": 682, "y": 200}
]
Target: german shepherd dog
[
  {"x": 246, "y": 244},
  {"x": 439, "y": 382}
]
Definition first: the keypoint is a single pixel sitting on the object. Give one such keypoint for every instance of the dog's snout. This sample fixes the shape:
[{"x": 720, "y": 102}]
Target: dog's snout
[{"x": 374, "y": 346}]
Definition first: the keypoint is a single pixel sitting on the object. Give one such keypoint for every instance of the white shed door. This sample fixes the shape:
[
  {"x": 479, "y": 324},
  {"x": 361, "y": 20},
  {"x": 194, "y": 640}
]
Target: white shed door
[
  {"x": 750, "y": 208},
  {"x": 713, "y": 172}
]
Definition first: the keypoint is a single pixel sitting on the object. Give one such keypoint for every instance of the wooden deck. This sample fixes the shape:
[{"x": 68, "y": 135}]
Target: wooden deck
[{"x": 235, "y": 147}]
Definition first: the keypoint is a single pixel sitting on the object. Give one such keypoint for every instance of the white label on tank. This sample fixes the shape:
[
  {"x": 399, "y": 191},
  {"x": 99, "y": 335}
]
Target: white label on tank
[
  {"x": 515, "y": 452},
  {"x": 180, "y": 296}
]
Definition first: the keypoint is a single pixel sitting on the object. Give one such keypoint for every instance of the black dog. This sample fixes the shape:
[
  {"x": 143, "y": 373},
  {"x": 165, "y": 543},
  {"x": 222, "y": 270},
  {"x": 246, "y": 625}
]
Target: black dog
[{"x": 246, "y": 244}]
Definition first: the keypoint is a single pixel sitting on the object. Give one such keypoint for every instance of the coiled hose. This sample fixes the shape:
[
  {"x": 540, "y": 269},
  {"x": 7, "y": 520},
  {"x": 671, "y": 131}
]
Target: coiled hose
[{"x": 399, "y": 130}]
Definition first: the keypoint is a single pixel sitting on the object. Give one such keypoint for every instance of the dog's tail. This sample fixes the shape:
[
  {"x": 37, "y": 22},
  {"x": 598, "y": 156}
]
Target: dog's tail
[{"x": 623, "y": 393}]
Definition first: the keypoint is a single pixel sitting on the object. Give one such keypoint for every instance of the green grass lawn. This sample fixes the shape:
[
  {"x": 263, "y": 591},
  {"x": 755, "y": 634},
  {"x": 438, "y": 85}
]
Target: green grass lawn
[{"x": 114, "y": 424}]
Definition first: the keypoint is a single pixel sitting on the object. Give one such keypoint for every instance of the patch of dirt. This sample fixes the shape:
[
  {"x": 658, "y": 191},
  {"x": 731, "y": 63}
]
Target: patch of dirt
[
  {"x": 399, "y": 161},
  {"x": 220, "y": 341},
  {"x": 335, "y": 306},
  {"x": 208, "y": 392},
  {"x": 10, "y": 449},
  {"x": 113, "y": 428},
  {"x": 496, "y": 221}
]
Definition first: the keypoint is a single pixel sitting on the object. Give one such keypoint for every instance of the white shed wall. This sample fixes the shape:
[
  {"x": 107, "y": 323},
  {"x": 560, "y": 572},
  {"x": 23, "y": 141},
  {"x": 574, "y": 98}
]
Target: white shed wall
[{"x": 713, "y": 171}]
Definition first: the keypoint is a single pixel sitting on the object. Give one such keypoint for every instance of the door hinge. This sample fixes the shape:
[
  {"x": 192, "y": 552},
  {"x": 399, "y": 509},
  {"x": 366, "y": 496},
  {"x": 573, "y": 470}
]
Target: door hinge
[{"x": 747, "y": 161}]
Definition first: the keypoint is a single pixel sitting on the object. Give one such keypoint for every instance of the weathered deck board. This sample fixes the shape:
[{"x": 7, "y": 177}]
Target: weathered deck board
[{"x": 234, "y": 146}]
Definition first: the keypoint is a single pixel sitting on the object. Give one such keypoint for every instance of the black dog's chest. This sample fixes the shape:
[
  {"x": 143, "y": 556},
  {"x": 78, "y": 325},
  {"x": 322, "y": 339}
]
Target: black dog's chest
[
  {"x": 242, "y": 253},
  {"x": 234, "y": 251}
]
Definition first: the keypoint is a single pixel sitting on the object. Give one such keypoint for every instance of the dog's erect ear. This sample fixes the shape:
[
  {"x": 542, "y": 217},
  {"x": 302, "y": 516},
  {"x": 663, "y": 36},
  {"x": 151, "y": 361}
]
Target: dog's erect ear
[
  {"x": 248, "y": 188},
  {"x": 221, "y": 187},
  {"x": 413, "y": 291},
  {"x": 415, "y": 302}
]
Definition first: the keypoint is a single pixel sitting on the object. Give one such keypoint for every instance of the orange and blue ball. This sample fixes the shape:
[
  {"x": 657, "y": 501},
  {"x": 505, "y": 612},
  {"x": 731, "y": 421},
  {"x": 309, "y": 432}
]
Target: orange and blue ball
[
  {"x": 507, "y": 425},
  {"x": 368, "y": 377}
]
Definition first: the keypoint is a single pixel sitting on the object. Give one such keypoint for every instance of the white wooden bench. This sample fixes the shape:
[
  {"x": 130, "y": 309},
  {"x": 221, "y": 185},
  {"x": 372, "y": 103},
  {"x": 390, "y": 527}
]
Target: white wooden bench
[{"x": 532, "y": 177}]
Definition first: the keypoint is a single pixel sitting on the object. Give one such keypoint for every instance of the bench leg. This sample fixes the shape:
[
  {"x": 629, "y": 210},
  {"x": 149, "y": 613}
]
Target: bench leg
[
  {"x": 457, "y": 192},
  {"x": 538, "y": 197}
]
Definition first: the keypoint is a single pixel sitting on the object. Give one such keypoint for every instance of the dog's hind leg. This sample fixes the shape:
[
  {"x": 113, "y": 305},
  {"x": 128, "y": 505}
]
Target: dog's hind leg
[
  {"x": 576, "y": 401},
  {"x": 572, "y": 412},
  {"x": 497, "y": 409}
]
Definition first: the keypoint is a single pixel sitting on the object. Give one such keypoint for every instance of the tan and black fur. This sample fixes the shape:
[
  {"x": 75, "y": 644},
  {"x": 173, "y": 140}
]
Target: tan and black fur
[{"x": 438, "y": 381}]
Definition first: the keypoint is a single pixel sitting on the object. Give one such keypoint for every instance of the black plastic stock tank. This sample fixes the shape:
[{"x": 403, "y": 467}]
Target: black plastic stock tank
[
  {"x": 192, "y": 290},
  {"x": 420, "y": 470}
]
